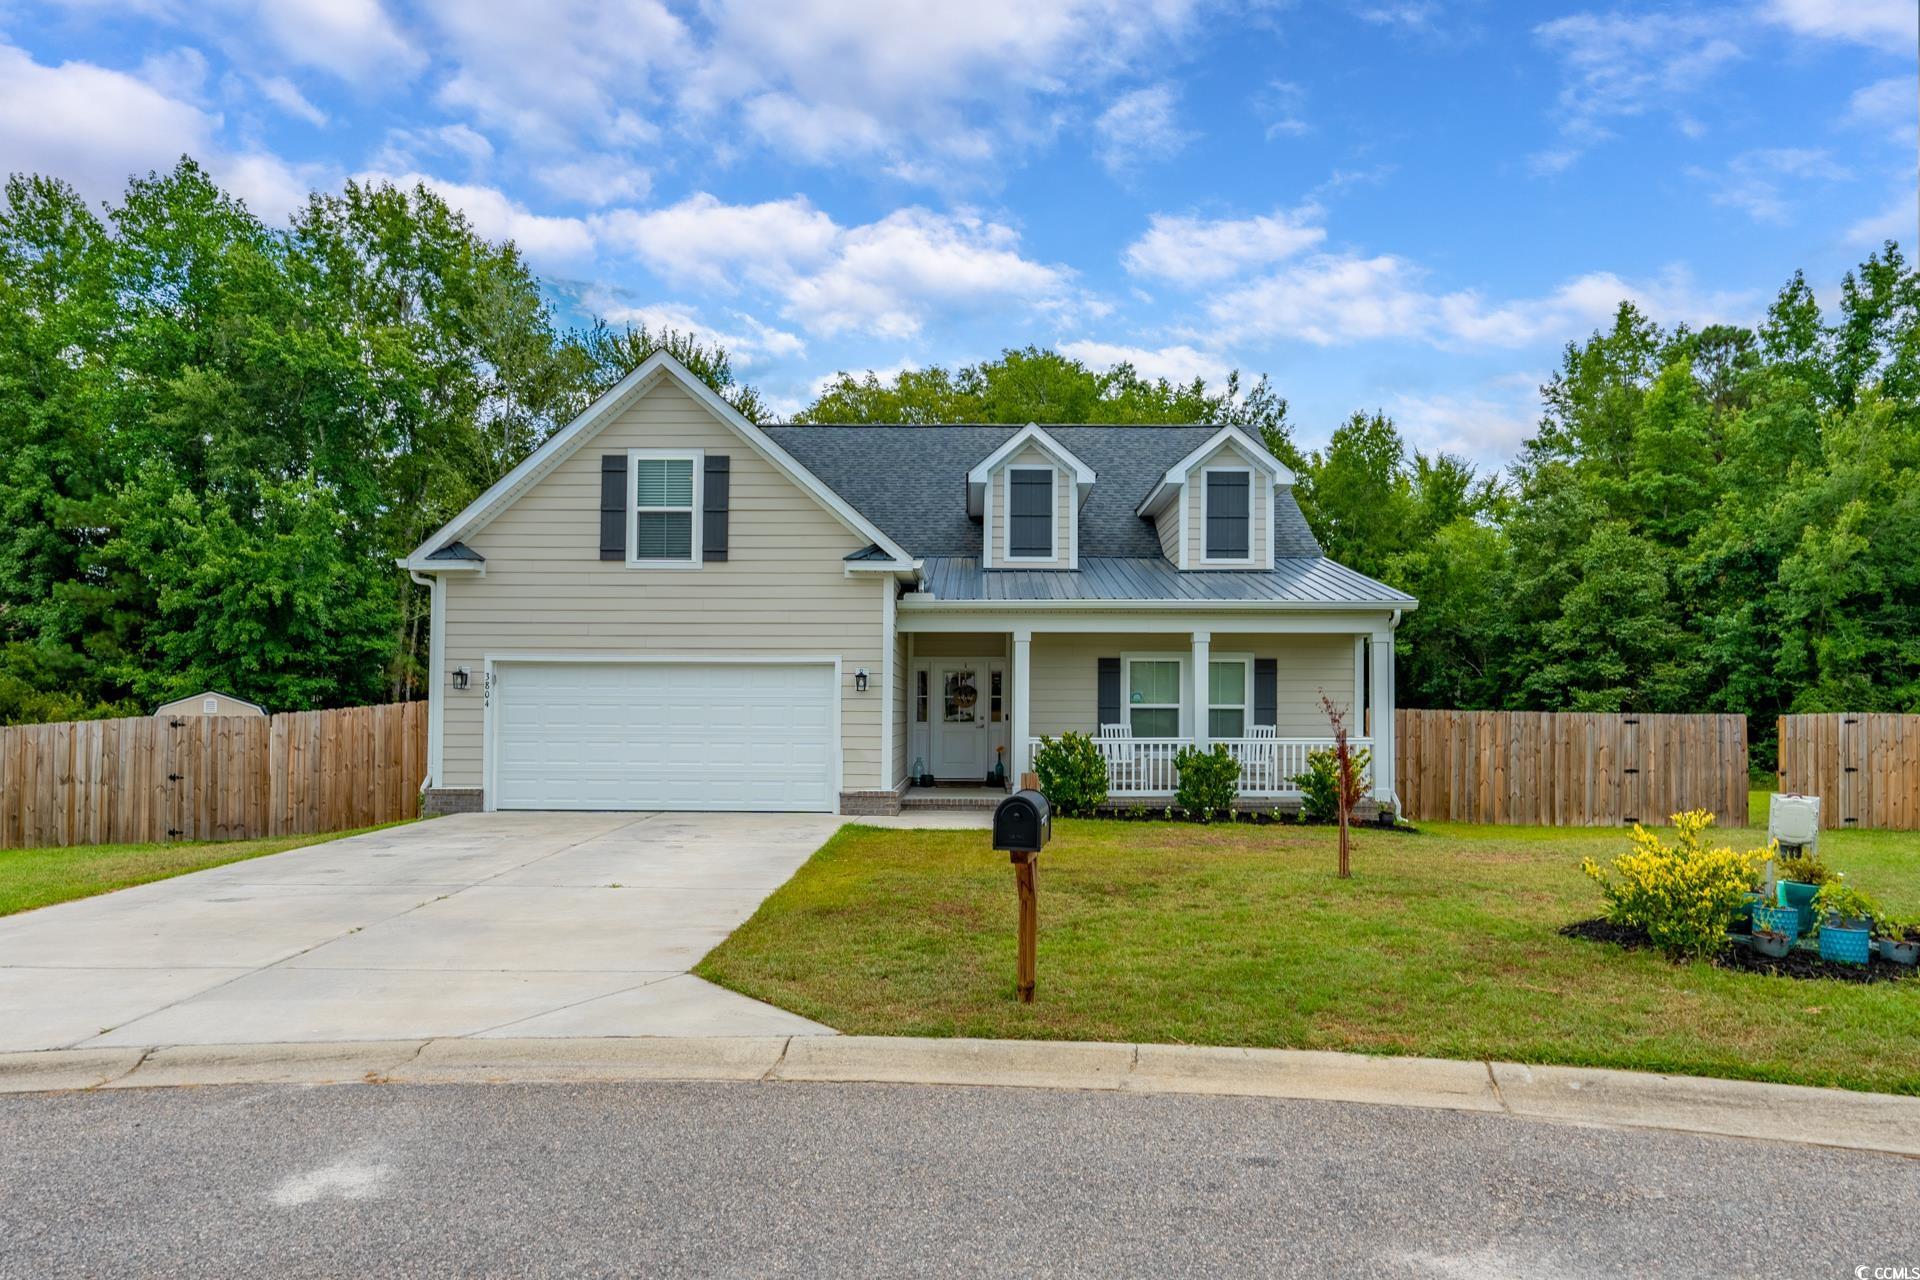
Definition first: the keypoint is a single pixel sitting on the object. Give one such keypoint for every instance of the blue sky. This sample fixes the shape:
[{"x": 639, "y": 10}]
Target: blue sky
[{"x": 1399, "y": 204}]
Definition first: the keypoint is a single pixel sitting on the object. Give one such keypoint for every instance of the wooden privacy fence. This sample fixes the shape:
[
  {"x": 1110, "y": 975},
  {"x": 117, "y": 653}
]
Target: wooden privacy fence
[
  {"x": 1864, "y": 767},
  {"x": 210, "y": 777},
  {"x": 1569, "y": 768}
]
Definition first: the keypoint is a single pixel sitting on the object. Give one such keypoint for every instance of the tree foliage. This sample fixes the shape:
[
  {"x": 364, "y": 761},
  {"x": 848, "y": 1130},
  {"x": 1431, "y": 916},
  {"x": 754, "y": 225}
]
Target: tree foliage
[{"x": 216, "y": 435}]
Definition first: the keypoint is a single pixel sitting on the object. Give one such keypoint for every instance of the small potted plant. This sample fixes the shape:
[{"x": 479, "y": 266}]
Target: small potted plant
[
  {"x": 1743, "y": 914},
  {"x": 1846, "y": 923},
  {"x": 1801, "y": 879},
  {"x": 1899, "y": 940},
  {"x": 1775, "y": 929}
]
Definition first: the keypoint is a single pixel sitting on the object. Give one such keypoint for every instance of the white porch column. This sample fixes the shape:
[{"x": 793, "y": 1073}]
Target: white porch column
[
  {"x": 1022, "y": 663},
  {"x": 1357, "y": 713},
  {"x": 1202, "y": 685},
  {"x": 1383, "y": 716}
]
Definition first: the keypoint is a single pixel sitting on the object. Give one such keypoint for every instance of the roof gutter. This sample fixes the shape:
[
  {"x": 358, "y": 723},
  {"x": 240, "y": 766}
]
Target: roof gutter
[{"x": 920, "y": 602}]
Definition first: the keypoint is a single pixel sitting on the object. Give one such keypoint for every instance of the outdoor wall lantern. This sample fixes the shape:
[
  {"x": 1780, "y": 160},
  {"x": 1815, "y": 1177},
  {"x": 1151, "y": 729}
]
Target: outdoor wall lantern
[
  {"x": 460, "y": 677},
  {"x": 860, "y": 680}
]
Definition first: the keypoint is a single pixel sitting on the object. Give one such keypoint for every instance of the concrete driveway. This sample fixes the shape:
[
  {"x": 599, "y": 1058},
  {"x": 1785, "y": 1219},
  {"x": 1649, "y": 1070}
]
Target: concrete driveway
[{"x": 499, "y": 924}]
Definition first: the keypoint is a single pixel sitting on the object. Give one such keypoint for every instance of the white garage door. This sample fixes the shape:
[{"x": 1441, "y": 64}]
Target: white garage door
[{"x": 657, "y": 735}]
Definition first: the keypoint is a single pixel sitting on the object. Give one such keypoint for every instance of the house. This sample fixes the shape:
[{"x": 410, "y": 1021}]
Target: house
[
  {"x": 210, "y": 702},
  {"x": 667, "y": 607}
]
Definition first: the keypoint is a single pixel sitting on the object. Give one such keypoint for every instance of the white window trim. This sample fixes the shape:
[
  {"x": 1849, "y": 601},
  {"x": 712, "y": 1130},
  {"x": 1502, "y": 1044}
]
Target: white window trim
[
  {"x": 1245, "y": 706},
  {"x": 1053, "y": 513},
  {"x": 1253, "y": 548},
  {"x": 1127, "y": 704},
  {"x": 698, "y": 457}
]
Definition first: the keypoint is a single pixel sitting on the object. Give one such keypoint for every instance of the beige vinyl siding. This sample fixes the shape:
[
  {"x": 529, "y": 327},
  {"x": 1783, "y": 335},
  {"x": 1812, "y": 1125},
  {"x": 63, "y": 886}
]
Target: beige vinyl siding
[
  {"x": 197, "y": 706},
  {"x": 960, "y": 644},
  {"x": 1167, "y": 526},
  {"x": 1065, "y": 680},
  {"x": 1063, "y": 511},
  {"x": 782, "y": 591},
  {"x": 1262, "y": 506}
]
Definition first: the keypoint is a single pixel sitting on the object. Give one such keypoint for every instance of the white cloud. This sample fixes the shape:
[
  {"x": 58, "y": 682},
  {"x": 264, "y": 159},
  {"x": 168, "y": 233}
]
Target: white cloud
[
  {"x": 272, "y": 187},
  {"x": 1752, "y": 180},
  {"x": 1281, "y": 103},
  {"x": 1340, "y": 299},
  {"x": 595, "y": 180},
  {"x": 1487, "y": 426},
  {"x": 747, "y": 340},
  {"x": 1139, "y": 128},
  {"x": 1202, "y": 250},
  {"x": 883, "y": 277},
  {"x": 819, "y": 132},
  {"x": 1404, "y": 15},
  {"x": 92, "y": 126},
  {"x": 1889, "y": 24},
  {"x": 704, "y": 240},
  {"x": 1900, "y": 221},
  {"x": 406, "y": 148},
  {"x": 886, "y": 277},
  {"x": 353, "y": 39},
  {"x": 544, "y": 239},
  {"x": 1886, "y": 106},
  {"x": 178, "y": 73},
  {"x": 1621, "y": 65},
  {"x": 284, "y": 94},
  {"x": 1177, "y": 363}
]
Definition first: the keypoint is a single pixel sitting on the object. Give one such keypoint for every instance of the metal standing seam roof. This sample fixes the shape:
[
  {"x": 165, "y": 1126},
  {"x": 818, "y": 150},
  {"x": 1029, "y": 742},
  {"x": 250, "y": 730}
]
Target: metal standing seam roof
[{"x": 1298, "y": 580}]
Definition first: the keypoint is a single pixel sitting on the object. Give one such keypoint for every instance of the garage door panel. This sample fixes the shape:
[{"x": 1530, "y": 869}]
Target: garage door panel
[{"x": 665, "y": 736}]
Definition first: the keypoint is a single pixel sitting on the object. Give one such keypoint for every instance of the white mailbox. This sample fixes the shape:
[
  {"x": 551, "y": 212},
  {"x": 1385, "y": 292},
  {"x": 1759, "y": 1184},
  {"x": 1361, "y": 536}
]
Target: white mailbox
[{"x": 1794, "y": 821}]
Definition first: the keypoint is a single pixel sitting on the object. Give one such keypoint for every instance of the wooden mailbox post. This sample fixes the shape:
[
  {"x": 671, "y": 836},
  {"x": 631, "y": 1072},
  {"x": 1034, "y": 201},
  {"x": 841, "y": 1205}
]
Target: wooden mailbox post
[{"x": 1022, "y": 825}]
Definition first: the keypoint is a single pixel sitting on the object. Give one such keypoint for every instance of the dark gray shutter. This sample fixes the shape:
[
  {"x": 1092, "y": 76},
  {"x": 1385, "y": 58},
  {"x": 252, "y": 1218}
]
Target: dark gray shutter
[
  {"x": 713, "y": 529},
  {"x": 1029, "y": 513},
  {"x": 1228, "y": 505},
  {"x": 613, "y": 506},
  {"x": 1110, "y": 703},
  {"x": 1266, "y": 691}
]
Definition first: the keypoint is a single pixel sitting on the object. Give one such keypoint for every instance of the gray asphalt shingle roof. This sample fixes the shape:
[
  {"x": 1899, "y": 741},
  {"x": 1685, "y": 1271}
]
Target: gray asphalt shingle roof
[
  {"x": 1295, "y": 580},
  {"x": 912, "y": 482}
]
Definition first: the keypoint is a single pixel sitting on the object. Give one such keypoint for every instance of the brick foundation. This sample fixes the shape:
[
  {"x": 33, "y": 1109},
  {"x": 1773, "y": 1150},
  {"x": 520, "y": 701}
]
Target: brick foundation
[
  {"x": 436, "y": 801},
  {"x": 870, "y": 804}
]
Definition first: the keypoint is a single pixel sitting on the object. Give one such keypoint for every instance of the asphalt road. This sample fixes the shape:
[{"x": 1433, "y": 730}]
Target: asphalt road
[{"x": 789, "y": 1179}]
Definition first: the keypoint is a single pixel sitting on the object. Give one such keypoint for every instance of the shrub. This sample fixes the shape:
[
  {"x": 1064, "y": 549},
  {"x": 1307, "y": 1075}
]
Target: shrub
[
  {"x": 1320, "y": 784},
  {"x": 1209, "y": 780},
  {"x": 1804, "y": 870},
  {"x": 1073, "y": 774},
  {"x": 1840, "y": 899},
  {"x": 1684, "y": 894}
]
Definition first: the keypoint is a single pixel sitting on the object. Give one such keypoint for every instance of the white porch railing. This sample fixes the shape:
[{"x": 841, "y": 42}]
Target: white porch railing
[{"x": 1144, "y": 766}]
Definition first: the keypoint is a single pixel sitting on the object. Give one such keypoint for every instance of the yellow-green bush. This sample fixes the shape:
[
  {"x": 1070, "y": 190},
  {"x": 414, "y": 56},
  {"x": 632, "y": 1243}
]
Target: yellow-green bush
[{"x": 1683, "y": 894}]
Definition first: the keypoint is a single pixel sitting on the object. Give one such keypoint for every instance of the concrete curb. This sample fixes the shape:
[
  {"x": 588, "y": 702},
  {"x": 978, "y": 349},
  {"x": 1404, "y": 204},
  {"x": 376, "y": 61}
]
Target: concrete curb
[{"x": 1566, "y": 1095}]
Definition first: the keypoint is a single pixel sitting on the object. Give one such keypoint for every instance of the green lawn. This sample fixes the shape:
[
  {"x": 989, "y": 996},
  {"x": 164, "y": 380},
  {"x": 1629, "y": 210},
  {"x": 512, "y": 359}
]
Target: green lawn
[
  {"x": 1442, "y": 944},
  {"x": 32, "y": 878}
]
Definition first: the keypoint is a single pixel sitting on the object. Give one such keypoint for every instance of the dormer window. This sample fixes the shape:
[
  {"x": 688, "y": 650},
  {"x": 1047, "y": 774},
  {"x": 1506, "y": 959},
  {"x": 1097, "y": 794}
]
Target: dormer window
[
  {"x": 1228, "y": 513},
  {"x": 1030, "y": 514}
]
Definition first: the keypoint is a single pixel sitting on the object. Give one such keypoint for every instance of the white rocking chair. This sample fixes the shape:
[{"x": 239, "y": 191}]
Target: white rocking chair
[
  {"x": 1116, "y": 746},
  {"x": 1262, "y": 768}
]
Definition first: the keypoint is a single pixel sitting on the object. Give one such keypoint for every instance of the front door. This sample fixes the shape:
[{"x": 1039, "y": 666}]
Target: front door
[{"x": 960, "y": 736}]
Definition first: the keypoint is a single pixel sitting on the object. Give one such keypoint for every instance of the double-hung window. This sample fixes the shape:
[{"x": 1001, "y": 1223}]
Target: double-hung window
[
  {"x": 1030, "y": 513},
  {"x": 1229, "y": 514},
  {"x": 1227, "y": 686},
  {"x": 1153, "y": 697},
  {"x": 666, "y": 503}
]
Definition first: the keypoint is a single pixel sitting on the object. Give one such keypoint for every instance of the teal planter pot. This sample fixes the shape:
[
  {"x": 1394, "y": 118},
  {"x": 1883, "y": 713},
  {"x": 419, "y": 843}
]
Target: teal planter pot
[
  {"x": 1800, "y": 898},
  {"x": 1900, "y": 951},
  {"x": 1777, "y": 919},
  {"x": 1845, "y": 946},
  {"x": 1776, "y": 945}
]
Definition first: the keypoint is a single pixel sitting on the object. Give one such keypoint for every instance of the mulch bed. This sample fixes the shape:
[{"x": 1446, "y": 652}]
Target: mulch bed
[{"x": 1802, "y": 963}]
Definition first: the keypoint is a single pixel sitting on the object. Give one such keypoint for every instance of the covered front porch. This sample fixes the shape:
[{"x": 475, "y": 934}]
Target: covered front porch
[{"x": 979, "y": 701}]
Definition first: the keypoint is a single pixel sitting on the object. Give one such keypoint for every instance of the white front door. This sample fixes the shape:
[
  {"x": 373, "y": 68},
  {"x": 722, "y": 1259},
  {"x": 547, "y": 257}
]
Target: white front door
[{"x": 960, "y": 735}]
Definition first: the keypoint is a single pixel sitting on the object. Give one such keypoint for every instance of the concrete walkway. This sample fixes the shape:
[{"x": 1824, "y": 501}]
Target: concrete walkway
[
  {"x": 1567, "y": 1095},
  {"x": 501, "y": 924}
]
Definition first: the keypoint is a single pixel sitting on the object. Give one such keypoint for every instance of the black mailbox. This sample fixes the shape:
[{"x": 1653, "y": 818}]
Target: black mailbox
[{"x": 1022, "y": 823}]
